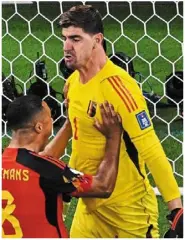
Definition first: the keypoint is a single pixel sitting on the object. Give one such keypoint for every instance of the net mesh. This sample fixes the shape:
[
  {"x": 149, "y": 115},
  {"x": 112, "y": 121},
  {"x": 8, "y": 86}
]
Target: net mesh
[{"x": 150, "y": 33}]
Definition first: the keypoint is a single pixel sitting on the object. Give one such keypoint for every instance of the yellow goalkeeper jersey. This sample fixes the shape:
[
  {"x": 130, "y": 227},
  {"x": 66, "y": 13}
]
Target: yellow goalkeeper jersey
[{"x": 140, "y": 144}]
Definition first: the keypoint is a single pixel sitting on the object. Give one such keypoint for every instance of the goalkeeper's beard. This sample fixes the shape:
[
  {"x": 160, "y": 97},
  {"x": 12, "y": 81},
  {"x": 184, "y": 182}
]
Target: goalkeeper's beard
[
  {"x": 73, "y": 66},
  {"x": 71, "y": 62}
]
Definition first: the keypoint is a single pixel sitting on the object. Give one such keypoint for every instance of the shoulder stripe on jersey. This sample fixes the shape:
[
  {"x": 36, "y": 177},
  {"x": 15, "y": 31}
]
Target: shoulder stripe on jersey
[
  {"x": 113, "y": 85},
  {"x": 122, "y": 89},
  {"x": 55, "y": 161},
  {"x": 123, "y": 92},
  {"x": 129, "y": 93}
]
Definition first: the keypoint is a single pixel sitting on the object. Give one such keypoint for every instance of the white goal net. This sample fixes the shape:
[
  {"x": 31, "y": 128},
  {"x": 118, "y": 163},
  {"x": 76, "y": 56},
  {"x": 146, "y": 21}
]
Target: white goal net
[{"x": 150, "y": 33}]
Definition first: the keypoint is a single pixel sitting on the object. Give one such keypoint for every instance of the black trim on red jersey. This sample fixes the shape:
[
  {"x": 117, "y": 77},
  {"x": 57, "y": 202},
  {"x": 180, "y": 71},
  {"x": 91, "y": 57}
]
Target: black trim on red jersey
[
  {"x": 47, "y": 169},
  {"x": 55, "y": 180},
  {"x": 51, "y": 181},
  {"x": 50, "y": 203},
  {"x": 132, "y": 152},
  {"x": 39, "y": 164}
]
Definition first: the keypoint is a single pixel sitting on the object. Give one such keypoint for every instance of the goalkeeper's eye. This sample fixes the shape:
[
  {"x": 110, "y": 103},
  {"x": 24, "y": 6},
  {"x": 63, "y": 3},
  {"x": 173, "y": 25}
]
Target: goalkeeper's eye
[
  {"x": 76, "y": 39},
  {"x": 63, "y": 38}
]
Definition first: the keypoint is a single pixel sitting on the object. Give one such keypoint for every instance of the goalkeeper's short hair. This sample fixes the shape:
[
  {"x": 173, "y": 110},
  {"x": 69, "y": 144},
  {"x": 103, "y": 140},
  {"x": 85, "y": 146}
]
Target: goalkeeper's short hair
[{"x": 83, "y": 16}]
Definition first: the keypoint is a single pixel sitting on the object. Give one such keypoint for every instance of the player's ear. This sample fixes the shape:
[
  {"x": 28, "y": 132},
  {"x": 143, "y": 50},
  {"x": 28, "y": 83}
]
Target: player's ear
[
  {"x": 38, "y": 127},
  {"x": 98, "y": 38}
]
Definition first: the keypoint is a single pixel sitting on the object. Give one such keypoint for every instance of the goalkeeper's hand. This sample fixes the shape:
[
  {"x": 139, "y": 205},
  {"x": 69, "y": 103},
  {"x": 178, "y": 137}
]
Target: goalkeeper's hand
[{"x": 176, "y": 220}]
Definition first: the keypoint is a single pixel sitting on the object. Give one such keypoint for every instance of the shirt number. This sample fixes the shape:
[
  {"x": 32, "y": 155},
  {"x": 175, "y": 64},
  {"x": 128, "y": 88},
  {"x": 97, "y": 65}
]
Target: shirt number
[
  {"x": 75, "y": 128},
  {"x": 7, "y": 216}
]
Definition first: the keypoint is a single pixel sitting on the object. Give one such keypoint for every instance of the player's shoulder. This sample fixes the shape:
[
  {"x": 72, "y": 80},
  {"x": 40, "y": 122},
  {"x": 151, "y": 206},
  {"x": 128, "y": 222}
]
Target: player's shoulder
[
  {"x": 114, "y": 72},
  {"x": 23, "y": 153},
  {"x": 119, "y": 84},
  {"x": 73, "y": 77},
  {"x": 117, "y": 77},
  {"x": 33, "y": 160},
  {"x": 14, "y": 153}
]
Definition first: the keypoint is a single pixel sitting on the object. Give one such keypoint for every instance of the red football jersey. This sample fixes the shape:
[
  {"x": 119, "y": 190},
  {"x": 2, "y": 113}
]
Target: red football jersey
[{"x": 32, "y": 191}]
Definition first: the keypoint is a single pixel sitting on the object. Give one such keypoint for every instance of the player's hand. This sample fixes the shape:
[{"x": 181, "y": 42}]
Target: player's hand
[
  {"x": 176, "y": 220},
  {"x": 111, "y": 121}
]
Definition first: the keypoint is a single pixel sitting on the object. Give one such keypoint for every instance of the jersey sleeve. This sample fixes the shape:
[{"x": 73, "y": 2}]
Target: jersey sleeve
[
  {"x": 55, "y": 174},
  {"x": 81, "y": 182},
  {"x": 128, "y": 100},
  {"x": 125, "y": 95}
]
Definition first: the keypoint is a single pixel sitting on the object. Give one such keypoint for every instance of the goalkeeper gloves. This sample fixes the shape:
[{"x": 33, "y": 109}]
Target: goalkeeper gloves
[{"x": 176, "y": 220}]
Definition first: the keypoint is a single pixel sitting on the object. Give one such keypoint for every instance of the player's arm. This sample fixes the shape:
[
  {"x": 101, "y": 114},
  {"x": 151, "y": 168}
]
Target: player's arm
[
  {"x": 156, "y": 160},
  {"x": 131, "y": 106},
  {"x": 57, "y": 145}
]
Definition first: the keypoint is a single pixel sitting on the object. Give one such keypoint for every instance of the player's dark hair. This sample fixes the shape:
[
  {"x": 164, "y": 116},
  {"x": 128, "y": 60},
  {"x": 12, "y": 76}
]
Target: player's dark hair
[
  {"x": 83, "y": 16},
  {"x": 22, "y": 110}
]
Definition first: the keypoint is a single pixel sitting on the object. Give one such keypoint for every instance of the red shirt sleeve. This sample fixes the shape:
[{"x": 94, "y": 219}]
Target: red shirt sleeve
[{"x": 82, "y": 183}]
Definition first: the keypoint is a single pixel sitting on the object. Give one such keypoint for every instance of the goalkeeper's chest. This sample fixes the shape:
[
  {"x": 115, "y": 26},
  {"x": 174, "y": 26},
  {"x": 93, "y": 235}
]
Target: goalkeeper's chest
[{"x": 84, "y": 107}]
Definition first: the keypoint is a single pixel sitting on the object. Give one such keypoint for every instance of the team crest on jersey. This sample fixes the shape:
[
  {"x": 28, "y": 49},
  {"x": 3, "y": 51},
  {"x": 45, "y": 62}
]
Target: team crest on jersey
[
  {"x": 91, "y": 111},
  {"x": 143, "y": 120}
]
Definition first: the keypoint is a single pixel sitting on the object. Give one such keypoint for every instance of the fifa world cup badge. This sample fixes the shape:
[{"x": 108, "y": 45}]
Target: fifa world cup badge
[{"x": 143, "y": 120}]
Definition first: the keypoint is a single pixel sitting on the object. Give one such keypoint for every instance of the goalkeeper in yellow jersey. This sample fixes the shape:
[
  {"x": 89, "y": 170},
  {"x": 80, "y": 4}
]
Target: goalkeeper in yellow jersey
[{"x": 131, "y": 211}]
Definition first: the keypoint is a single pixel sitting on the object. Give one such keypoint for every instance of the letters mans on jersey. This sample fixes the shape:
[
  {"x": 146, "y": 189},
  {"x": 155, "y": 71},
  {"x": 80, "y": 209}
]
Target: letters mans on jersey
[
  {"x": 15, "y": 174},
  {"x": 143, "y": 120}
]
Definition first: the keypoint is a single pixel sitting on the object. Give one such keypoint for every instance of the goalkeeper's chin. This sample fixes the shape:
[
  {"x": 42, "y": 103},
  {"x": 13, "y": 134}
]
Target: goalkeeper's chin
[{"x": 70, "y": 64}]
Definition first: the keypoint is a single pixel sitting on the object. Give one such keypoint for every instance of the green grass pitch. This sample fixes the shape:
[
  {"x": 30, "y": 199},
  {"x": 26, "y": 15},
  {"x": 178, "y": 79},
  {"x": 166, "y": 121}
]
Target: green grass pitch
[{"x": 50, "y": 47}]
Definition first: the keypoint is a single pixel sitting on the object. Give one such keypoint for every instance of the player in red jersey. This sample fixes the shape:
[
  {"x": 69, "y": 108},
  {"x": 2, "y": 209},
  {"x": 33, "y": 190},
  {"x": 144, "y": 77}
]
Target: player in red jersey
[{"x": 33, "y": 186}]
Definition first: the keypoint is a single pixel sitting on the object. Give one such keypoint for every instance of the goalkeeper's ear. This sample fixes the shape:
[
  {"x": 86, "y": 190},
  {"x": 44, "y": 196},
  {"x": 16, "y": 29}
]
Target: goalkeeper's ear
[{"x": 98, "y": 39}]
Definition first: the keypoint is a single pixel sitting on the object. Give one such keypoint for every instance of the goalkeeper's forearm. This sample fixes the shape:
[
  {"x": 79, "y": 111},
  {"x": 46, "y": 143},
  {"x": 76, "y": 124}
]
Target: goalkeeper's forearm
[
  {"x": 175, "y": 203},
  {"x": 153, "y": 154},
  {"x": 150, "y": 149},
  {"x": 56, "y": 147}
]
